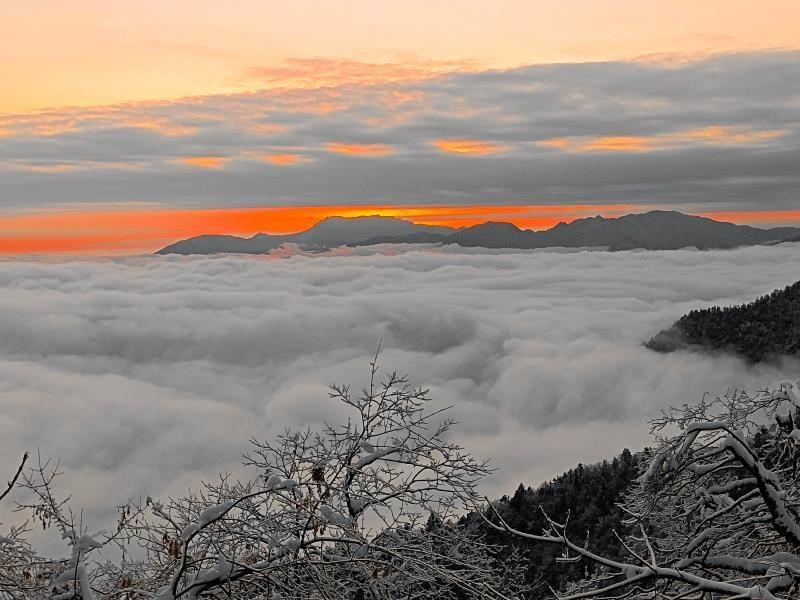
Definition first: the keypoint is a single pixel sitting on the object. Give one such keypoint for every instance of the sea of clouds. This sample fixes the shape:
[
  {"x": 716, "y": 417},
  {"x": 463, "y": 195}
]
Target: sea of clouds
[{"x": 146, "y": 375}]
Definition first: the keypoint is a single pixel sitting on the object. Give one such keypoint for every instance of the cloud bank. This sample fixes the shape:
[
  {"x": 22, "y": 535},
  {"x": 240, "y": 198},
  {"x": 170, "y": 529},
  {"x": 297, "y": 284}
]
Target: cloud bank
[
  {"x": 146, "y": 375},
  {"x": 720, "y": 132}
]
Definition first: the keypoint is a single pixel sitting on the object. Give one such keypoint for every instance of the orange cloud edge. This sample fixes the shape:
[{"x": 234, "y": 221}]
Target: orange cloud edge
[
  {"x": 713, "y": 134},
  {"x": 205, "y": 162},
  {"x": 468, "y": 146},
  {"x": 135, "y": 231},
  {"x": 361, "y": 149}
]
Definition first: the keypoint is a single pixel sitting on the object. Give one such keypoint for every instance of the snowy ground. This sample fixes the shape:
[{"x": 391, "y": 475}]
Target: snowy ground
[{"x": 145, "y": 375}]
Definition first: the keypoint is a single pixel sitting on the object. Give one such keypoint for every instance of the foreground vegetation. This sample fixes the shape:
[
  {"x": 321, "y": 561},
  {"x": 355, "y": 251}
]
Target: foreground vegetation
[{"x": 384, "y": 506}]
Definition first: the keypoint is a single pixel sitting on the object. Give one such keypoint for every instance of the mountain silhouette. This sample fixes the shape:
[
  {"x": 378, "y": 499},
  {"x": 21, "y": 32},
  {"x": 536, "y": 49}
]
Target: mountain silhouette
[
  {"x": 328, "y": 233},
  {"x": 654, "y": 230}
]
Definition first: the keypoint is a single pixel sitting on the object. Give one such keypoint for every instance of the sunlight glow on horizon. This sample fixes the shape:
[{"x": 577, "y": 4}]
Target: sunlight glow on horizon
[{"x": 134, "y": 231}]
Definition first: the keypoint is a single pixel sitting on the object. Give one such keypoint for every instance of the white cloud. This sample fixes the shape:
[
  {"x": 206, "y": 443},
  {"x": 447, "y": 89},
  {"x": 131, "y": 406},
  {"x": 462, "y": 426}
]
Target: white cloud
[{"x": 145, "y": 375}]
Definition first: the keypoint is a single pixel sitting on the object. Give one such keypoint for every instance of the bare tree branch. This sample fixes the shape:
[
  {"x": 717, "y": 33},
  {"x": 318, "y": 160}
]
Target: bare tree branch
[{"x": 14, "y": 479}]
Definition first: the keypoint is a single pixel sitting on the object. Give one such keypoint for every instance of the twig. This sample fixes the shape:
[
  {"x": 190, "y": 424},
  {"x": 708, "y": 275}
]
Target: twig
[{"x": 16, "y": 476}]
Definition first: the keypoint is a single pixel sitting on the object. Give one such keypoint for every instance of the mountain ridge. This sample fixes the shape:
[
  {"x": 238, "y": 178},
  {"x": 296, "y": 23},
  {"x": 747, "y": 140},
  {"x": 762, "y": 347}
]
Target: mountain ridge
[
  {"x": 653, "y": 230},
  {"x": 330, "y": 232}
]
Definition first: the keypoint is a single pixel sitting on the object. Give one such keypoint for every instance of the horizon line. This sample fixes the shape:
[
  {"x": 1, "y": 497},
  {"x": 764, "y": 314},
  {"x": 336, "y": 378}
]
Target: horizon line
[{"x": 135, "y": 230}]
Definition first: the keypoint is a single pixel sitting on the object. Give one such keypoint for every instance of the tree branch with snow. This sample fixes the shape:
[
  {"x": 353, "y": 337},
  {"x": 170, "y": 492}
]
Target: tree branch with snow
[{"x": 716, "y": 510}]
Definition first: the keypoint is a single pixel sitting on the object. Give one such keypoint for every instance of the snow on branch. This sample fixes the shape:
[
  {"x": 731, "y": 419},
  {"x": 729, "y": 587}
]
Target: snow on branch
[
  {"x": 715, "y": 511},
  {"x": 365, "y": 509}
]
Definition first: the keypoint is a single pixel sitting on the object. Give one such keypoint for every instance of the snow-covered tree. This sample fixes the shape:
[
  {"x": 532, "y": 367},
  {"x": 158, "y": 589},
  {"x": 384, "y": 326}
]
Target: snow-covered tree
[
  {"x": 362, "y": 510},
  {"x": 715, "y": 513}
]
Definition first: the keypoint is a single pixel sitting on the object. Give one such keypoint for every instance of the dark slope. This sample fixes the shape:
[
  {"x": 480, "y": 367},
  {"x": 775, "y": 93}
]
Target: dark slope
[
  {"x": 328, "y": 233},
  {"x": 219, "y": 244},
  {"x": 766, "y": 328},
  {"x": 494, "y": 235},
  {"x": 420, "y": 237}
]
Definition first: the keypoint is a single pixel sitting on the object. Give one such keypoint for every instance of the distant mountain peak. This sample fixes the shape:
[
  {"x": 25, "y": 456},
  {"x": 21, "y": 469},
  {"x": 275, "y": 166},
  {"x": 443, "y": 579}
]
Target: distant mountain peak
[{"x": 499, "y": 226}]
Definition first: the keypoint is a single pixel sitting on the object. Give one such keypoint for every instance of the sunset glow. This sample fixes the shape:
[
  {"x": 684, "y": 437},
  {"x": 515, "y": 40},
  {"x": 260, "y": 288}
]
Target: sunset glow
[
  {"x": 475, "y": 147},
  {"x": 283, "y": 159},
  {"x": 361, "y": 149},
  {"x": 252, "y": 116},
  {"x": 143, "y": 230},
  {"x": 617, "y": 144},
  {"x": 205, "y": 162}
]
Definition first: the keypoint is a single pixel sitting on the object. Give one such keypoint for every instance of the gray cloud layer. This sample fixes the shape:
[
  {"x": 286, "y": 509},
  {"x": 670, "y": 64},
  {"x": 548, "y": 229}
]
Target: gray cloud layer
[
  {"x": 721, "y": 131},
  {"x": 147, "y": 374}
]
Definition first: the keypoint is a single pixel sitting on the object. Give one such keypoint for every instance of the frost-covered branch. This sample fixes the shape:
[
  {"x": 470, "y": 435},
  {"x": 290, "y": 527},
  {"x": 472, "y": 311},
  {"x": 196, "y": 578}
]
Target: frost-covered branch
[
  {"x": 716, "y": 509},
  {"x": 364, "y": 509}
]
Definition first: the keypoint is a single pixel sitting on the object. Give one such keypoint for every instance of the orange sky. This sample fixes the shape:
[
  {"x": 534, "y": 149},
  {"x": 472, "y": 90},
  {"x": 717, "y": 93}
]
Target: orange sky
[
  {"x": 142, "y": 230},
  {"x": 105, "y": 57},
  {"x": 90, "y": 52}
]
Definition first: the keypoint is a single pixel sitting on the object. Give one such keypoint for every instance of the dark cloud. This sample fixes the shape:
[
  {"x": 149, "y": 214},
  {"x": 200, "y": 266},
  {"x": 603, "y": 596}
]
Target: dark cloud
[
  {"x": 721, "y": 131},
  {"x": 146, "y": 375}
]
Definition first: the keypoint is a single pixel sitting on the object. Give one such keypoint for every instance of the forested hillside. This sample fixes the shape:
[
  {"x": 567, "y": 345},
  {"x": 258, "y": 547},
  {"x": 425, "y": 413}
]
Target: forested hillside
[
  {"x": 765, "y": 328},
  {"x": 587, "y": 497}
]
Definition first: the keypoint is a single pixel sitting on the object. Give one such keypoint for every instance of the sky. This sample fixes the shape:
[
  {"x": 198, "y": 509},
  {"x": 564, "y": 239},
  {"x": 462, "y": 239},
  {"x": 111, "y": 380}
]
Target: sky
[
  {"x": 127, "y": 125},
  {"x": 148, "y": 375}
]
